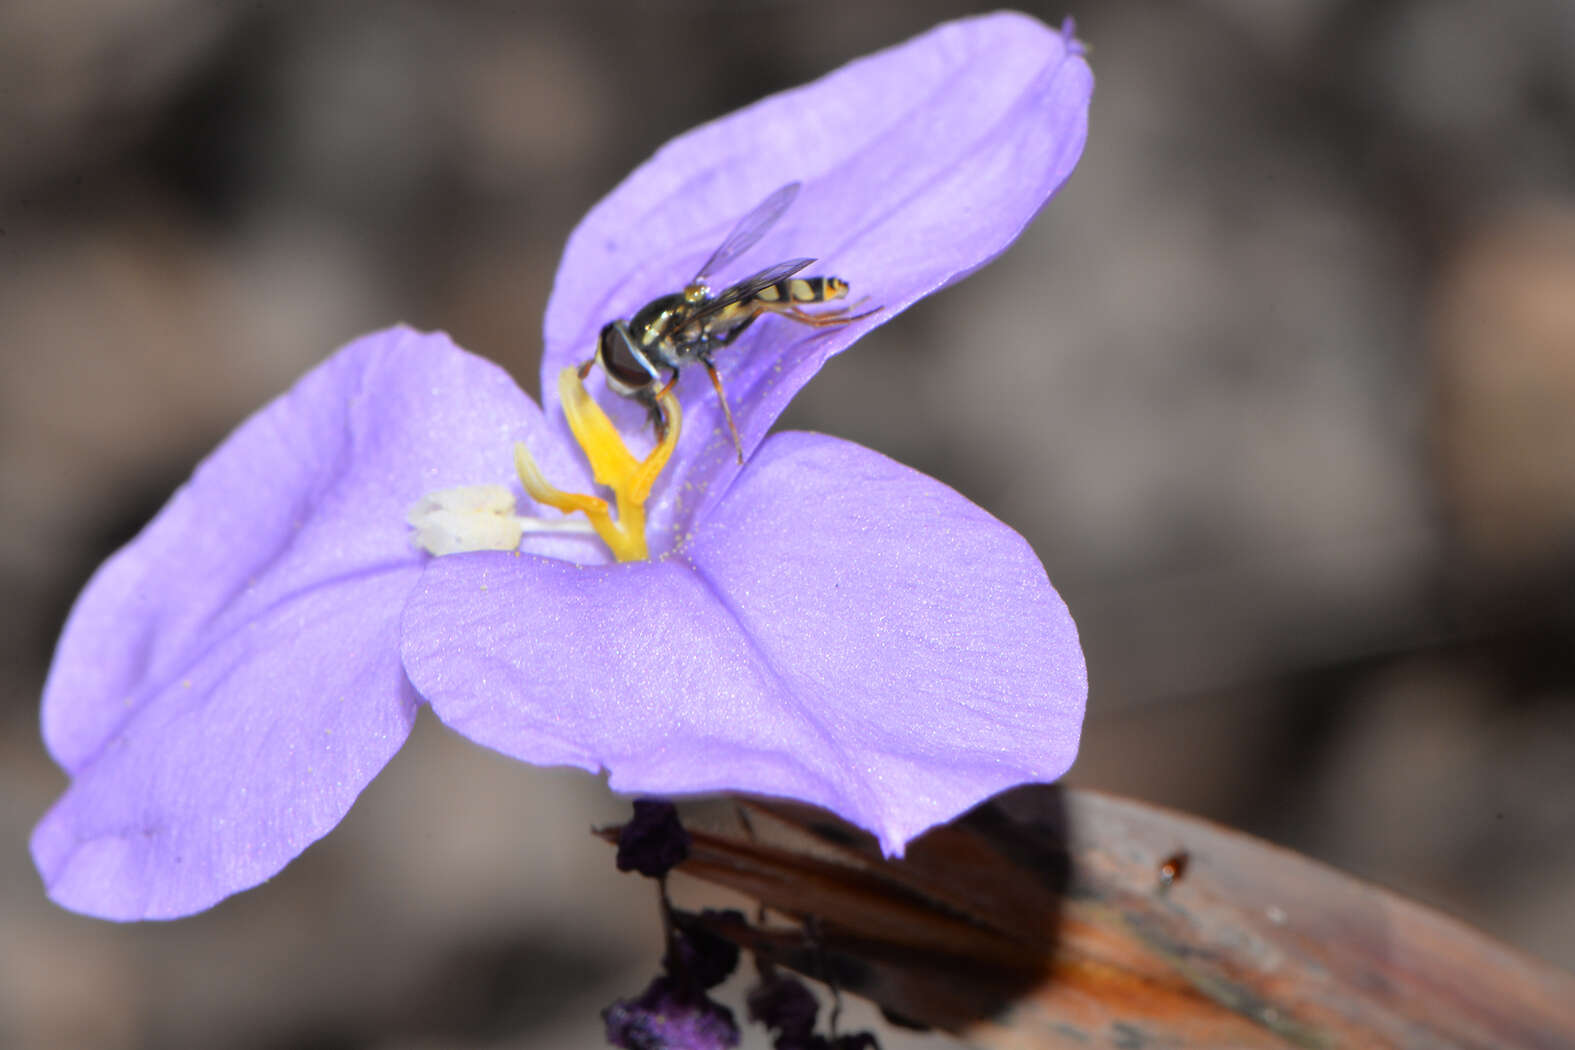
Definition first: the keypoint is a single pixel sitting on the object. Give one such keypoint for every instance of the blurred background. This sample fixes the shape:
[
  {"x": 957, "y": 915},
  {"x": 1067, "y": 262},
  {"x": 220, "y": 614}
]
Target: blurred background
[{"x": 1281, "y": 387}]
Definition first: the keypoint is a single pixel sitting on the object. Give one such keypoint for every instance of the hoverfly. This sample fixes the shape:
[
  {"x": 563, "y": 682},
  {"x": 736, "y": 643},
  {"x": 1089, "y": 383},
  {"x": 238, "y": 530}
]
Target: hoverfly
[{"x": 692, "y": 325}]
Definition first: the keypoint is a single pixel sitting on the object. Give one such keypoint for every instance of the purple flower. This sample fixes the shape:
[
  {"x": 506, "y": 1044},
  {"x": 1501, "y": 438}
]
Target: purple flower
[
  {"x": 785, "y": 1005},
  {"x": 654, "y": 841},
  {"x": 668, "y": 1017},
  {"x": 821, "y": 624}
]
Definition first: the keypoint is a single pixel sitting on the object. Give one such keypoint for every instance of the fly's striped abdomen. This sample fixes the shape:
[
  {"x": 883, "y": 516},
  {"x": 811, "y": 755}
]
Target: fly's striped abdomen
[{"x": 803, "y": 290}]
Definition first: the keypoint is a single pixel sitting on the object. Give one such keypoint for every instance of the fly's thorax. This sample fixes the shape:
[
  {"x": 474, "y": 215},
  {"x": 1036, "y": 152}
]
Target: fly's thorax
[
  {"x": 655, "y": 329},
  {"x": 658, "y": 318}
]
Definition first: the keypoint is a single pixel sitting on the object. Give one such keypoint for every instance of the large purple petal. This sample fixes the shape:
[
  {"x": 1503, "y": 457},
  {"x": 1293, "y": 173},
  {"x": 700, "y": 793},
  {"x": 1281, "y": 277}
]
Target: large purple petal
[
  {"x": 842, "y": 630},
  {"x": 230, "y": 680},
  {"x": 919, "y": 164}
]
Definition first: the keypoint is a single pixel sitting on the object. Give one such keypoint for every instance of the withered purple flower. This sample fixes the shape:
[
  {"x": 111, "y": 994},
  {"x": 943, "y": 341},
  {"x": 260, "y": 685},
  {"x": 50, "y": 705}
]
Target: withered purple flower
[
  {"x": 820, "y": 624},
  {"x": 667, "y": 1016}
]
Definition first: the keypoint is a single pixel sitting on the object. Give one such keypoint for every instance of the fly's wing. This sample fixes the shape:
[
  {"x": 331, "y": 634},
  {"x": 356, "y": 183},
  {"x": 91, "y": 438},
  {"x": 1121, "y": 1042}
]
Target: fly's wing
[
  {"x": 750, "y": 229},
  {"x": 1042, "y": 919},
  {"x": 748, "y": 286}
]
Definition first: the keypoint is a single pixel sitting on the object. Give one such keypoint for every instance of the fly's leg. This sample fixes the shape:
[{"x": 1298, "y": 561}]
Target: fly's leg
[
  {"x": 716, "y": 381},
  {"x": 672, "y": 381},
  {"x": 824, "y": 319},
  {"x": 651, "y": 397}
]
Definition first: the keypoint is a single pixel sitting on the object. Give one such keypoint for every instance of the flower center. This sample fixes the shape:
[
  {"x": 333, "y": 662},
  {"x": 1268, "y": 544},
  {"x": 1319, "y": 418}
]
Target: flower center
[
  {"x": 482, "y": 518},
  {"x": 612, "y": 465}
]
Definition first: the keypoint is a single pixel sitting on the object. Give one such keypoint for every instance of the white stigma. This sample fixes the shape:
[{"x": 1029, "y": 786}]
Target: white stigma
[{"x": 477, "y": 518}]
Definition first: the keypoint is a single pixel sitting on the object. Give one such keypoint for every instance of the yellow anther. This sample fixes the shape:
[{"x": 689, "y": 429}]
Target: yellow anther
[{"x": 612, "y": 465}]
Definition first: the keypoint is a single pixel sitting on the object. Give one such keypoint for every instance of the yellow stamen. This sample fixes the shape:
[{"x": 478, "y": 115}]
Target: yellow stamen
[{"x": 612, "y": 465}]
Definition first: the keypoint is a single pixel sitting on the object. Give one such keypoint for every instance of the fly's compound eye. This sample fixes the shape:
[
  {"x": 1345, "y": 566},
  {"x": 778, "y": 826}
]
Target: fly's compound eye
[{"x": 627, "y": 371}]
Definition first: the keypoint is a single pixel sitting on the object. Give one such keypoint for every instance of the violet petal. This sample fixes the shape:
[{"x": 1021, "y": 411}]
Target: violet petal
[
  {"x": 842, "y": 630},
  {"x": 230, "y": 680},
  {"x": 919, "y": 164}
]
